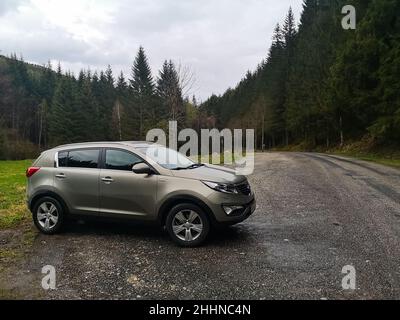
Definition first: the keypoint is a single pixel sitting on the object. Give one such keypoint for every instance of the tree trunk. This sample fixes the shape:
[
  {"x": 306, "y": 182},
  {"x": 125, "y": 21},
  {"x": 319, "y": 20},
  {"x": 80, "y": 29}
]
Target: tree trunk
[
  {"x": 341, "y": 132},
  {"x": 140, "y": 121},
  {"x": 327, "y": 136},
  {"x": 262, "y": 133},
  {"x": 40, "y": 126},
  {"x": 286, "y": 137},
  {"x": 119, "y": 121}
]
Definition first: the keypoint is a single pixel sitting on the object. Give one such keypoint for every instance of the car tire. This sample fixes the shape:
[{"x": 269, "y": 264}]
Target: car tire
[
  {"x": 48, "y": 215},
  {"x": 187, "y": 225}
]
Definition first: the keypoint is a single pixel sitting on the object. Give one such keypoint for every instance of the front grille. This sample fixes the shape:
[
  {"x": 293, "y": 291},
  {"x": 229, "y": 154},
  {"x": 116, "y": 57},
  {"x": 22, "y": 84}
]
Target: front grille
[{"x": 244, "y": 188}]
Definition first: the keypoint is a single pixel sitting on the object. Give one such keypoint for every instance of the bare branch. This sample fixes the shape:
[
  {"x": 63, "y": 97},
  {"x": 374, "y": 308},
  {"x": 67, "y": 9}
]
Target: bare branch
[{"x": 187, "y": 80}]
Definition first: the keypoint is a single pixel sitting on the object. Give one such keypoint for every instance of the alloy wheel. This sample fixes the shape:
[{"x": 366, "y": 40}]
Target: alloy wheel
[
  {"x": 187, "y": 225},
  {"x": 47, "y": 215}
]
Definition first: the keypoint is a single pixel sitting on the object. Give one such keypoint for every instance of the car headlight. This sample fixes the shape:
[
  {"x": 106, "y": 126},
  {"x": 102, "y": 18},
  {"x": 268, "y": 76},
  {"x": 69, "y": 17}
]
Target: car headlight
[{"x": 222, "y": 187}]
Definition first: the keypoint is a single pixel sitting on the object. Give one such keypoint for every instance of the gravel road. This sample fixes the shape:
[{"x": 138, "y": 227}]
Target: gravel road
[{"x": 316, "y": 214}]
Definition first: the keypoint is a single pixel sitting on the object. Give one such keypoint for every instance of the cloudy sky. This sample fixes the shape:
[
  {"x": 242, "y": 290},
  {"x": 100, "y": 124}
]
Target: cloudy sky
[{"x": 219, "y": 40}]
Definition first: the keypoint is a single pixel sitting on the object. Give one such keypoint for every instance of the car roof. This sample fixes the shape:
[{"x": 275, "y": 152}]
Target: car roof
[{"x": 105, "y": 144}]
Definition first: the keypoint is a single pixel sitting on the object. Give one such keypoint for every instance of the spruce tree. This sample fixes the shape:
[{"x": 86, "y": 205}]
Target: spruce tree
[
  {"x": 87, "y": 106},
  {"x": 142, "y": 88},
  {"x": 60, "y": 114},
  {"x": 170, "y": 92}
]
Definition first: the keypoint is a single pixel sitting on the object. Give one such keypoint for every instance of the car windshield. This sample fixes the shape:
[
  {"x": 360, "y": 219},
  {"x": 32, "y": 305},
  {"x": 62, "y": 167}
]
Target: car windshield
[{"x": 167, "y": 158}]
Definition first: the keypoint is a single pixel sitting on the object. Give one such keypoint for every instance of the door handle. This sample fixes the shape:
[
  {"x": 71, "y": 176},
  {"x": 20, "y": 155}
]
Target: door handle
[
  {"x": 107, "y": 179},
  {"x": 61, "y": 176}
]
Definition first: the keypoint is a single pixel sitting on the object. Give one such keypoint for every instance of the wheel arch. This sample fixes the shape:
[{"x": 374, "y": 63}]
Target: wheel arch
[
  {"x": 175, "y": 200},
  {"x": 52, "y": 194}
]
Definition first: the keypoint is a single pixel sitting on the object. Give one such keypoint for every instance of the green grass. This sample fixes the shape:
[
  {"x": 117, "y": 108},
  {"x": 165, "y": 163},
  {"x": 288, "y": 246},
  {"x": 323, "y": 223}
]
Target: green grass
[
  {"x": 381, "y": 159},
  {"x": 365, "y": 149},
  {"x": 8, "y": 254},
  {"x": 14, "y": 220},
  {"x": 13, "y": 208}
]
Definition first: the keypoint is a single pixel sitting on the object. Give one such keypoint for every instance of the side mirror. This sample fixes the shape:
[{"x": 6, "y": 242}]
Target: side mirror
[{"x": 142, "y": 168}]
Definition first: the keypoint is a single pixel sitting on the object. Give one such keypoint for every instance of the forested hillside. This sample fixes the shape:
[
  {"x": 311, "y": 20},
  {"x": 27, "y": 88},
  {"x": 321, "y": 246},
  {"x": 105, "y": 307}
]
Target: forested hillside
[
  {"x": 40, "y": 107},
  {"x": 318, "y": 86},
  {"x": 321, "y": 85}
]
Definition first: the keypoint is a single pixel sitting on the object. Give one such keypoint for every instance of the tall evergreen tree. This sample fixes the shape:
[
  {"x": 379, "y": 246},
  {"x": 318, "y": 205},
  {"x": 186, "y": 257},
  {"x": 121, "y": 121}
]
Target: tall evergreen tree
[
  {"x": 142, "y": 87},
  {"x": 90, "y": 125},
  {"x": 60, "y": 115},
  {"x": 170, "y": 92},
  {"x": 364, "y": 83}
]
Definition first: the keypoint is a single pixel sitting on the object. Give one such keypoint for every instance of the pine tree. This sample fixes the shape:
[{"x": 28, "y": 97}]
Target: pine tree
[
  {"x": 87, "y": 107},
  {"x": 105, "y": 94},
  {"x": 60, "y": 120},
  {"x": 142, "y": 81},
  {"x": 353, "y": 79},
  {"x": 121, "y": 84},
  {"x": 170, "y": 92},
  {"x": 142, "y": 87},
  {"x": 314, "y": 52},
  {"x": 275, "y": 85},
  {"x": 289, "y": 29}
]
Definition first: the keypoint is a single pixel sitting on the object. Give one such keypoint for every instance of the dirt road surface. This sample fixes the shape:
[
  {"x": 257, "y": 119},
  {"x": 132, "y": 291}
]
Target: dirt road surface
[{"x": 316, "y": 214}]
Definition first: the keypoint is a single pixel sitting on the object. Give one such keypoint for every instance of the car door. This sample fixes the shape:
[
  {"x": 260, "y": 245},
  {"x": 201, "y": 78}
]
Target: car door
[
  {"x": 77, "y": 179},
  {"x": 122, "y": 192}
]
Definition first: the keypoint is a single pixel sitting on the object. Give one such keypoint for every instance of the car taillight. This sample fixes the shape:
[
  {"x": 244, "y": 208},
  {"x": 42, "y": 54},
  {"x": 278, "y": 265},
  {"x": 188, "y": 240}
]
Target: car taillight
[{"x": 31, "y": 171}]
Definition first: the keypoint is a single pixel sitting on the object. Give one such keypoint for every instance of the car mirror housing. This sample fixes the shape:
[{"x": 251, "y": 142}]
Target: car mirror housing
[{"x": 142, "y": 168}]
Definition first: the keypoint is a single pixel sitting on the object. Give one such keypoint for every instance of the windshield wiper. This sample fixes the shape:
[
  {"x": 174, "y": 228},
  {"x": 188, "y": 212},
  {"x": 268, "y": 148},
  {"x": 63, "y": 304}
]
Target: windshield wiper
[
  {"x": 195, "y": 165},
  {"x": 192, "y": 166}
]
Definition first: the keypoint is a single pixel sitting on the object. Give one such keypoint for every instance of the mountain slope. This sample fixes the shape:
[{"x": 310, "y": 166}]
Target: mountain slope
[{"x": 321, "y": 85}]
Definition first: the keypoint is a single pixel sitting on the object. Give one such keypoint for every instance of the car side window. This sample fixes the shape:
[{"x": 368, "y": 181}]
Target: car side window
[
  {"x": 62, "y": 159},
  {"x": 85, "y": 158},
  {"x": 120, "y": 160}
]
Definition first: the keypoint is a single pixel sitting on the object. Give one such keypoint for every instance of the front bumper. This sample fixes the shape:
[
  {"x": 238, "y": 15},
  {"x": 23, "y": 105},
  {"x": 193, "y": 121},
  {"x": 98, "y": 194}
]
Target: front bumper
[
  {"x": 247, "y": 202},
  {"x": 245, "y": 213}
]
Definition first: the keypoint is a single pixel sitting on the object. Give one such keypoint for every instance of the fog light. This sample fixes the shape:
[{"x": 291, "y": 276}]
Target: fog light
[{"x": 231, "y": 209}]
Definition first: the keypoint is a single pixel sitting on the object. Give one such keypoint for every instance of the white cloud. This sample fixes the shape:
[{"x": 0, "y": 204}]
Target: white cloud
[
  {"x": 84, "y": 20},
  {"x": 9, "y": 5},
  {"x": 220, "y": 40}
]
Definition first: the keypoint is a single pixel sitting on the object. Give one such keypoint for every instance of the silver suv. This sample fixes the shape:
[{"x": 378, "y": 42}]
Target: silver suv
[{"x": 136, "y": 180}]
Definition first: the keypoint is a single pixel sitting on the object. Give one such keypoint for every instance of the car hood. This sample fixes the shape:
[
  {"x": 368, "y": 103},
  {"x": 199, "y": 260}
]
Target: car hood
[{"x": 211, "y": 173}]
